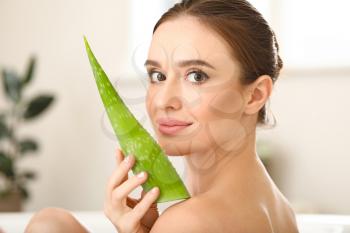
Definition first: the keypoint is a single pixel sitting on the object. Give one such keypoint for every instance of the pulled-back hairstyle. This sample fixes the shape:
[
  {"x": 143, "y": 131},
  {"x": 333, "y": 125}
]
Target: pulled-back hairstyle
[{"x": 252, "y": 41}]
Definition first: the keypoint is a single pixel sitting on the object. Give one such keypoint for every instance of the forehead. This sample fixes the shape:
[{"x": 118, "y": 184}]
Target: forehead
[{"x": 187, "y": 38}]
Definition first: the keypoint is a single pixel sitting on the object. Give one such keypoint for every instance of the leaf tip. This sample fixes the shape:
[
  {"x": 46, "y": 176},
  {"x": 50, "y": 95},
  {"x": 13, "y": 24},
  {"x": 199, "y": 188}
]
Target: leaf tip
[{"x": 86, "y": 42}]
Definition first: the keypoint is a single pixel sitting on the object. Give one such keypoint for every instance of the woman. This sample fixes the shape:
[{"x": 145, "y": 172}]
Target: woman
[{"x": 212, "y": 65}]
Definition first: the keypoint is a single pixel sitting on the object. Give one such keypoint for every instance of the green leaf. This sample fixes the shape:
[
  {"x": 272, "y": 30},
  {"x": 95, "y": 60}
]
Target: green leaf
[
  {"x": 5, "y": 193},
  {"x": 29, "y": 175},
  {"x": 27, "y": 145},
  {"x": 4, "y": 131},
  {"x": 24, "y": 192},
  {"x": 6, "y": 165},
  {"x": 30, "y": 71},
  {"x": 12, "y": 85},
  {"x": 37, "y": 106}
]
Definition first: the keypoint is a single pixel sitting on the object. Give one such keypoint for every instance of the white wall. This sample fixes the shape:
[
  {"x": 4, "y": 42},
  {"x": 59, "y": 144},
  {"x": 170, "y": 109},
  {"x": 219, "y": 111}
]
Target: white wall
[
  {"x": 77, "y": 153},
  {"x": 76, "y": 157},
  {"x": 311, "y": 164}
]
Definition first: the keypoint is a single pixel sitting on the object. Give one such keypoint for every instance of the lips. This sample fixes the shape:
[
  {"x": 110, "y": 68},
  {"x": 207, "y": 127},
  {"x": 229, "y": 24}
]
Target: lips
[
  {"x": 172, "y": 122},
  {"x": 171, "y": 126}
]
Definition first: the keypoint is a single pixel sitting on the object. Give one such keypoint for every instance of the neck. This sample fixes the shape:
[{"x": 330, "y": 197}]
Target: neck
[{"x": 217, "y": 168}]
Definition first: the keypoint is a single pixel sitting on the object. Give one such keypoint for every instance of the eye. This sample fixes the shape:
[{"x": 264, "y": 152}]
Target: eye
[
  {"x": 197, "y": 77},
  {"x": 154, "y": 75}
]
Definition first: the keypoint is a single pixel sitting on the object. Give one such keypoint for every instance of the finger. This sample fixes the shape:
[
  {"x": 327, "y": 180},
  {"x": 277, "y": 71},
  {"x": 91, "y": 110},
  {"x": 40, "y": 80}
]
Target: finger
[
  {"x": 144, "y": 205},
  {"x": 120, "y": 173},
  {"x": 119, "y": 156},
  {"x": 120, "y": 193},
  {"x": 143, "y": 194}
]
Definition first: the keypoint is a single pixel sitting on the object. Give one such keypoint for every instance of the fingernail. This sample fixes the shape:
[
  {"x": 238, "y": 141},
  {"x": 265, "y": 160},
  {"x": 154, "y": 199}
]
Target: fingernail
[
  {"x": 127, "y": 159},
  {"x": 154, "y": 190},
  {"x": 141, "y": 175}
]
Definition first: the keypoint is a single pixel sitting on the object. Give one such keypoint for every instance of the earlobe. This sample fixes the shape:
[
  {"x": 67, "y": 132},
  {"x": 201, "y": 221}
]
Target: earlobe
[{"x": 258, "y": 94}]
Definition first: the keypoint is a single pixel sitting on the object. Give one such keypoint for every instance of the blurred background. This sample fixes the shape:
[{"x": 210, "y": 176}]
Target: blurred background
[{"x": 71, "y": 154}]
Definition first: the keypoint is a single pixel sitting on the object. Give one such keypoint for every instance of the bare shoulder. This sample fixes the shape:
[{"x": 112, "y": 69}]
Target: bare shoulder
[
  {"x": 225, "y": 215},
  {"x": 186, "y": 216},
  {"x": 209, "y": 215}
]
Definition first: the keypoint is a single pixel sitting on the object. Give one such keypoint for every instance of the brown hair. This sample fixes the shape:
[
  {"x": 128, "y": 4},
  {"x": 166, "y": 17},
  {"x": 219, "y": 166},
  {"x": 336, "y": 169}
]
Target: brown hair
[{"x": 245, "y": 30}]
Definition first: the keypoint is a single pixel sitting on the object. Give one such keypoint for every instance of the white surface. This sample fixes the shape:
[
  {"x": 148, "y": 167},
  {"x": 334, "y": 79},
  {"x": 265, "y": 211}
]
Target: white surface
[
  {"x": 97, "y": 222},
  {"x": 323, "y": 223}
]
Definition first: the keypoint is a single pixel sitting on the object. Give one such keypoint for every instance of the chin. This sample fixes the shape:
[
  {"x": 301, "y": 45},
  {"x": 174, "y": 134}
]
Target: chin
[
  {"x": 184, "y": 144},
  {"x": 175, "y": 148},
  {"x": 183, "y": 148}
]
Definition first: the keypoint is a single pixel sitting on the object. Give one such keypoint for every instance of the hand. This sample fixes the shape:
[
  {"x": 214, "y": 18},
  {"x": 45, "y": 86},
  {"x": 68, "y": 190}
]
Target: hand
[{"x": 127, "y": 214}]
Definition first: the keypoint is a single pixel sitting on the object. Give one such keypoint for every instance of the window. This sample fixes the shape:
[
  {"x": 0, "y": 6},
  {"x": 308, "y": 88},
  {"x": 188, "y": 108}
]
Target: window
[
  {"x": 144, "y": 15},
  {"x": 314, "y": 33}
]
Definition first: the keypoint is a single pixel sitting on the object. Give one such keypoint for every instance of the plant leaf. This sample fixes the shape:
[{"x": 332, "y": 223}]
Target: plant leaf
[
  {"x": 5, "y": 193},
  {"x": 31, "y": 175},
  {"x": 27, "y": 145},
  {"x": 4, "y": 131},
  {"x": 30, "y": 71},
  {"x": 28, "y": 175},
  {"x": 24, "y": 192},
  {"x": 37, "y": 105},
  {"x": 6, "y": 165},
  {"x": 12, "y": 85}
]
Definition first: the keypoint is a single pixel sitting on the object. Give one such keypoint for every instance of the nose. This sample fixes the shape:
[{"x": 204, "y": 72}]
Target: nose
[{"x": 169, "y": 95}]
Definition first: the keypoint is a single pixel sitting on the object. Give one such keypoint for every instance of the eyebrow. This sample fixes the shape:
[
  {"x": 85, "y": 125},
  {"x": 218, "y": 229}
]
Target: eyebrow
[{"x": 182, "y": 63}]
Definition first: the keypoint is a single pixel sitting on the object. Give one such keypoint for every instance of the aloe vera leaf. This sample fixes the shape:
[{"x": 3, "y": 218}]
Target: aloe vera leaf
[{"x": 135, "y": 140}]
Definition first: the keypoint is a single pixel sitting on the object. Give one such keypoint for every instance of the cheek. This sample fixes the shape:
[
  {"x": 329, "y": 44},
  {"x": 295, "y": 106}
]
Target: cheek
[
  {"x": 224, "y": 104},
  {"x": 227, "y": 134},
  {"x": 150, "y": 94},
  {"x": 227, "y": 104},
  {"x": 218, "y": 115},
  {"x": 149, "y": 101}
]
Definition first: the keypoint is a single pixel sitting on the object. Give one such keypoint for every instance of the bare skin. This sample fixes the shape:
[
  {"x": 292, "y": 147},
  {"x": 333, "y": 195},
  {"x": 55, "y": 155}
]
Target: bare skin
[
  {"x": 248, "y": 201},
  {"x": 54, "y": 220},
  {"x": 230, "y": 188}
]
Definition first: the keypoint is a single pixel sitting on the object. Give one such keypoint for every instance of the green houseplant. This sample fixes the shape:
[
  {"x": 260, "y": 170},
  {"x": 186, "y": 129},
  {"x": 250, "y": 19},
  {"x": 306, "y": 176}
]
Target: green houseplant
[{"x": 13, "y": 147}]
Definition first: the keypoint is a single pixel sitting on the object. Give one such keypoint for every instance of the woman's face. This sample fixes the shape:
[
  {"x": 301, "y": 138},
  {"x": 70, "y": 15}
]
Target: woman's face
[{"x": 206, "y": 94}]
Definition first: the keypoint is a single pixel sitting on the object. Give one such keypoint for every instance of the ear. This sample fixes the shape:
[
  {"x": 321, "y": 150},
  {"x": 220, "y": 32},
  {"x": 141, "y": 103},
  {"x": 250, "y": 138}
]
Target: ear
[{"x": 257, "y": 94}]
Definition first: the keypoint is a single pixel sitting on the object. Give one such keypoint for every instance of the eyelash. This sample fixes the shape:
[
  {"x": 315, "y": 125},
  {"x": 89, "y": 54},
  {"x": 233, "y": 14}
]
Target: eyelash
[{"x": 198, "y": 71}]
